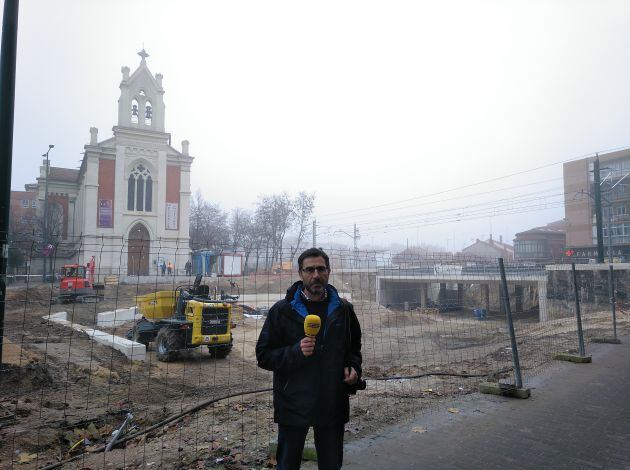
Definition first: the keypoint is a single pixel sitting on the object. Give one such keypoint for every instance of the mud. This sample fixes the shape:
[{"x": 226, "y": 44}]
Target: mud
[{"x": 59, "y": 389}]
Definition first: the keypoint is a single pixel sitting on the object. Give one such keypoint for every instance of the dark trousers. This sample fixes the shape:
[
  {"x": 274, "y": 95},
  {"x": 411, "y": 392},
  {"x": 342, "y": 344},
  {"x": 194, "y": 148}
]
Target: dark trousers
[{"x": 328, "y": 443}]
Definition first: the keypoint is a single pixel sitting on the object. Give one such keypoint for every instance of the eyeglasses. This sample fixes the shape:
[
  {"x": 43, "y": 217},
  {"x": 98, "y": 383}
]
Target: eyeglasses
[{"x": 312, "y": 269}]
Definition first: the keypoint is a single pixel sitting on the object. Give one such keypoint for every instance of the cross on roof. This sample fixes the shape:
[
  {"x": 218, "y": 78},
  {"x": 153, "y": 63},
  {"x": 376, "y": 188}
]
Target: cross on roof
[{"x": 143, "y": 54}]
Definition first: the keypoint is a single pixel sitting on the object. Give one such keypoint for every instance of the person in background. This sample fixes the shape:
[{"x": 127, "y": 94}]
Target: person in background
[
  {"x": 163, "y": 267},
  {"x": 188, "y": 267},
  {"x": 169, "y": 268},
  {"x": 312, "y": 377}
]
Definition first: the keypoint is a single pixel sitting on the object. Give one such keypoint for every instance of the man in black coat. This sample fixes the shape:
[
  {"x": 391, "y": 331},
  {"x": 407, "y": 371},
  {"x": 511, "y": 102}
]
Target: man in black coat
[{"x": 312, "y": 377}]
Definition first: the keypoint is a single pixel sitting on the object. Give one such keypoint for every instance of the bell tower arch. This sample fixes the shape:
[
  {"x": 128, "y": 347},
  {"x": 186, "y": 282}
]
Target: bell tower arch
[{"x": 141, "y": 102}]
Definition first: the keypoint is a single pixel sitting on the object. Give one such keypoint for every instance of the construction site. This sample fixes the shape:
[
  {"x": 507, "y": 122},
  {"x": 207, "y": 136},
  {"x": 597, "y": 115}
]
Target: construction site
[{"x": 77, "y": 373}]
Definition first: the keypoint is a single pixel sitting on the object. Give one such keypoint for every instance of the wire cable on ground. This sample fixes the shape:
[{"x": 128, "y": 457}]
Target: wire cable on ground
[{"x": 179, "y": 416}]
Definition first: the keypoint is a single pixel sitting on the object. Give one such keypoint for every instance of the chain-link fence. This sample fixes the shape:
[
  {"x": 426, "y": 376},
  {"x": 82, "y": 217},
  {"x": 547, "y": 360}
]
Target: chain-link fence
[{"x": 120, "y": 333}]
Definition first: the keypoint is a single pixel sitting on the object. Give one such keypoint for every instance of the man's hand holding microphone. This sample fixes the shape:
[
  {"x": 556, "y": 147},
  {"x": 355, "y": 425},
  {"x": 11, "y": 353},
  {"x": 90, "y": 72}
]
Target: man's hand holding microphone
[{"x": 312, "y": 324}]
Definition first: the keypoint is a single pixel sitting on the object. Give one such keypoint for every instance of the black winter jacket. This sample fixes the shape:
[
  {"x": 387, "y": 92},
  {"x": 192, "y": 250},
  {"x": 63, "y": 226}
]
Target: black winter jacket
[{"x": 310, "y": 390}]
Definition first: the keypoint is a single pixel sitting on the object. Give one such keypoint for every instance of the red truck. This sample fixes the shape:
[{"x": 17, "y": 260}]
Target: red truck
[{"x": 77, "y": 283}]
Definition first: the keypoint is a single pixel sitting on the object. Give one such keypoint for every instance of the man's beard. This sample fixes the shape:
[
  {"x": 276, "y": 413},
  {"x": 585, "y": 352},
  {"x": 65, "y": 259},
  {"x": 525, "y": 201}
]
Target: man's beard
[{"x": 320, "y": 286}]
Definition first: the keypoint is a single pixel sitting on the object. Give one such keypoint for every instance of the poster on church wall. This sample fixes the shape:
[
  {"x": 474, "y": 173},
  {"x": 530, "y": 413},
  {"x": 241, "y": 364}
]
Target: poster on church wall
[
  {"x": 171, "y": 215},
  {"x": 105, "y": 213}
]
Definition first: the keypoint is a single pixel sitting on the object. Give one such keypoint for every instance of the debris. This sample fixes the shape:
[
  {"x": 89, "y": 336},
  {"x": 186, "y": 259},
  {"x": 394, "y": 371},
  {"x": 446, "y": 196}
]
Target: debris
[
  {"x": 453, "y": 410},
  {"x": 118, "y": 433},
  {"x": 26, "y": 458},
  {"x": 238, "y": 407},
  {"x": 419, "y": 429}
]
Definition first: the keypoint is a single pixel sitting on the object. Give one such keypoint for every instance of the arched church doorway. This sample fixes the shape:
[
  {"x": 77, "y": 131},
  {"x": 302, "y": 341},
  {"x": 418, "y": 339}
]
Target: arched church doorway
[{"x": 138, "y": 251}]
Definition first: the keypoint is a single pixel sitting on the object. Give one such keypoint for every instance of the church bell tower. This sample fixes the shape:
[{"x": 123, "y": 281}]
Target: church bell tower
[{"x": 141, "y": 102}]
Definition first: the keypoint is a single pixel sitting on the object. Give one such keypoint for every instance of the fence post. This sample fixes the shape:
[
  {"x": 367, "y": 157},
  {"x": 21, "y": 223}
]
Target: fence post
[
  {"x": 582, "y": 358},
  {"x": 611, "y": 290},
  {"x": 508, "y": 312},
  {"x": 7, "y": 102},
  {"x": 578, "y": 314}
]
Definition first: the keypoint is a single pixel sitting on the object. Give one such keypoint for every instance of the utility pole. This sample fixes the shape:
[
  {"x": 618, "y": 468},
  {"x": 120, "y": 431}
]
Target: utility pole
[
  {"x": 598, "y": 211},
  {"x": 314, "y": 234},
  {"x": 45, "y": 234},
  {"x": 7, "y": 108},
  {"x": 356, "y": 249},
  {"x": 610, "y": 247},
  {"x": 355, "y": 237}
]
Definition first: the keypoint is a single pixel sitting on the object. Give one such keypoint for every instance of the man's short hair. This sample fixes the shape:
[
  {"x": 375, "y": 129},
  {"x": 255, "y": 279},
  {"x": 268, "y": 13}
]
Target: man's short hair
[{"x": 313, "y": 253}]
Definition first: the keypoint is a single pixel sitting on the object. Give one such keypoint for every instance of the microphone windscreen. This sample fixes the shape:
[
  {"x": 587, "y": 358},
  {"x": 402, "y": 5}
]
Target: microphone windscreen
[{"x": 312, "y": 324}]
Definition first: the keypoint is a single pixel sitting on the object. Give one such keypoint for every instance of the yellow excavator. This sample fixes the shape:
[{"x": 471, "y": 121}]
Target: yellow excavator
[{"x": 182, "y": 319}]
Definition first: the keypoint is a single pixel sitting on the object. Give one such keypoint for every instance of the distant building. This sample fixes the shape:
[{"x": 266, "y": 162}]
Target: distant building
[
  {"x": 490, "y": 249},
  {"x": 23, "y": 211},
  {"x": 581, "y": 235},
  {"x": 128, "y": 203},
  {"x": 541, "y": 244},
  {"x": 413, "y": 256}
]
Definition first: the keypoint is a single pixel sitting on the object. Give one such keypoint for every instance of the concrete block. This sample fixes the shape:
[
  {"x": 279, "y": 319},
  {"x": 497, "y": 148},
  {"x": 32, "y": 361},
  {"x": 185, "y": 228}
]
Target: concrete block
[
  {"x": 572, "y": 358},
  {"x": 505, "y": 390},
  {"x": 60, "y": 318},
  {"x": 131, "y": 349},
  {"x": 117, "y": 317},
  {"x": 606, "y": 340}
]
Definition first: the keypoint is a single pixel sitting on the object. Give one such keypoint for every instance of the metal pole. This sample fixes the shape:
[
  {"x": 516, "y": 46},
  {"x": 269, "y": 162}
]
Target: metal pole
[
  {"x": 610, "y": 246},
  {"x": 355, "y": 237},
  {"x": 578, "y": 314},
  {"x": 45, "y": 228},
  {"x": 598, "y": 211},
  {"x": 314, "y": 234},
  {"x": 611, "y": 292},
  {"x": 7, "y": 108},
  {"x": 508, "y": 313}
]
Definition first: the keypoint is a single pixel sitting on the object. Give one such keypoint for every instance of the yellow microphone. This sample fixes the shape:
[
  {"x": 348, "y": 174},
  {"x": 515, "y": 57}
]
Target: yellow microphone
[{"x": 312, "y": 324}]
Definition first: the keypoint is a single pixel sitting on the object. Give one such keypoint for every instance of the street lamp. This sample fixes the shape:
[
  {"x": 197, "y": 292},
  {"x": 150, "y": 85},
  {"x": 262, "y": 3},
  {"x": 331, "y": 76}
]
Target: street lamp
[{"x": 45, "y": 234}]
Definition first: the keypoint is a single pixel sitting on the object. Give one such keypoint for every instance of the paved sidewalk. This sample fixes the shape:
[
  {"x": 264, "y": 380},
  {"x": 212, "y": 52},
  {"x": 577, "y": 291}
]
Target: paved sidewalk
[{"x": 577, "y": 418}]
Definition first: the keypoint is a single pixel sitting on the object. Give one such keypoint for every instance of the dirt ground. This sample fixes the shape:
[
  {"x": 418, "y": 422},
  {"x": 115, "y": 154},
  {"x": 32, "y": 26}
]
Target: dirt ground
[{"x": 61, "y": 394}]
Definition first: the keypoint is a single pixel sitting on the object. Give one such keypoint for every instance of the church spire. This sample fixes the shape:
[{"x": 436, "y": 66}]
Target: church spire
[{"x": 143, "y": 54}]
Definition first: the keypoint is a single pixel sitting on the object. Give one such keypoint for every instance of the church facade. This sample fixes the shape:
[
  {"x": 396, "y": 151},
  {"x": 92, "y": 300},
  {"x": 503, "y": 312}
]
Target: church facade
[{"x": 128, "y": 203}]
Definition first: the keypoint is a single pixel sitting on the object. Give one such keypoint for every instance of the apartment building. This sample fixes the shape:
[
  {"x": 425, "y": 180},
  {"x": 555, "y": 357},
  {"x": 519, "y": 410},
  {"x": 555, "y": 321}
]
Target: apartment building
[{"x": 581, "y": 237}]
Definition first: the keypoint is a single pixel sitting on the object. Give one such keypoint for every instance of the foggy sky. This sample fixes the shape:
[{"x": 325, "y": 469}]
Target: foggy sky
[{"x": 364, "y": 103}]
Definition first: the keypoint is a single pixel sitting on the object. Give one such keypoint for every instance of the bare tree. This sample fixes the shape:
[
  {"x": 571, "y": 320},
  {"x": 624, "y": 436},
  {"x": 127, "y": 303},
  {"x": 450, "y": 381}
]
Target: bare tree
[
  {"x": 245, "y": 234},
  {"x": 51, "y": 232},
  {"x": 303, "y": 206},
  {"x": 208, "y": 224},
  {"x": 240, "y": 223},
  {"x": 274, "y": 217}
]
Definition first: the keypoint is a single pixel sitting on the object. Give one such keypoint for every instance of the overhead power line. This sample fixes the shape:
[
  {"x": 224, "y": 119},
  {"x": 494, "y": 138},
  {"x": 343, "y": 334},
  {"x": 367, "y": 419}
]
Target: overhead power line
[{"x": 490, "y": 180}]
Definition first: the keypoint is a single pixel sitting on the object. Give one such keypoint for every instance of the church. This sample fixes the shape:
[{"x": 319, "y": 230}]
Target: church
[{"x": 128, "y": 203}]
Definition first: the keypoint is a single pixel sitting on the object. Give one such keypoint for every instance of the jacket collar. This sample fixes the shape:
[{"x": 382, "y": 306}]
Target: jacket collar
[{"x": 295, "y": 298}]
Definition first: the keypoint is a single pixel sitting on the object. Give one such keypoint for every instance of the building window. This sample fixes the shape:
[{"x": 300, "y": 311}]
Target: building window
[
  {"x": 140, "y": 190},
  {"x": 25, "y": 203},
  {"x": 531, "y": 249},
  {"x": 139, "y": 193},
  {"x": 34, "y": 203}
]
